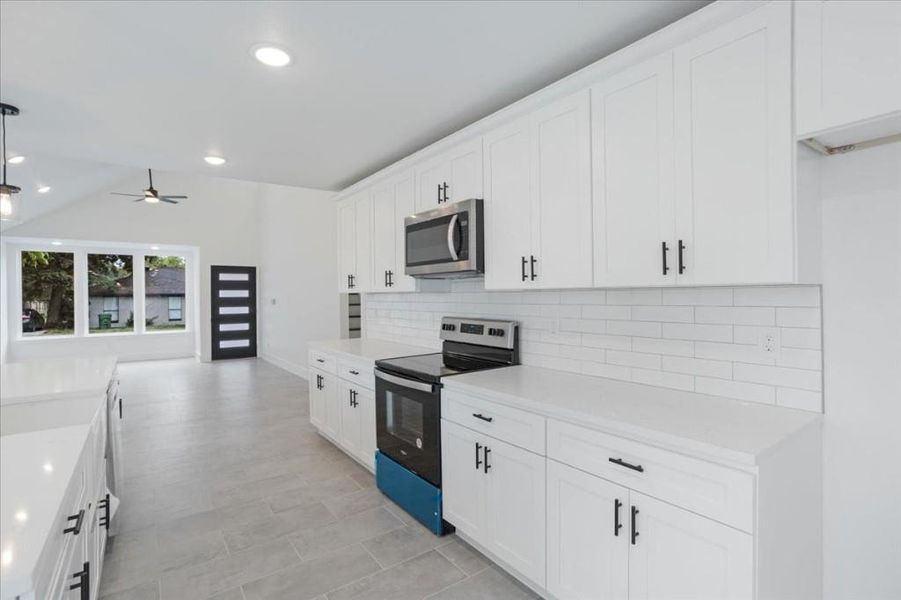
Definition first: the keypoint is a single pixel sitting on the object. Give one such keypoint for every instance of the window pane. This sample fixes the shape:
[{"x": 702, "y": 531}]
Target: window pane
[
  {"x": 164, "y": 296},
  {"x": 111, "y": 293},
  {"x": 48, "y": 293}
]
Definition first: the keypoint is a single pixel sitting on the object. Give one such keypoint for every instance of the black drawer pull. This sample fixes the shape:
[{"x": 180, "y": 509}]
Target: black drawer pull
[
  {"x": 478, "y": 460},
  {"x": 616, "y": 524},
  {"x": 320, "y": 360},
  {"x": 79, "y": 519},
  {"x": 483, "y": 417},
  {"x": 487, "y": 466},
  {"x": 622, "y": 463},
  {"x": 354, "y": 372},
  {"x": 634, "y": 524},
  {"x": 84, "y": 581}
]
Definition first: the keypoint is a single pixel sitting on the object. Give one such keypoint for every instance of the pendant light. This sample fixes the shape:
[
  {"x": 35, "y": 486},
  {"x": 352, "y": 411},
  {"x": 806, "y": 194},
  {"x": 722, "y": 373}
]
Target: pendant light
[{"x": 7, "y": 191}]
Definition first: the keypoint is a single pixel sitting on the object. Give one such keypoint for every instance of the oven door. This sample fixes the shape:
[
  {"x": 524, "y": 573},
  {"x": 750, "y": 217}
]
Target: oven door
[
  {"x": 408, "y": 415},
  {"x": 446, "y": 241}
]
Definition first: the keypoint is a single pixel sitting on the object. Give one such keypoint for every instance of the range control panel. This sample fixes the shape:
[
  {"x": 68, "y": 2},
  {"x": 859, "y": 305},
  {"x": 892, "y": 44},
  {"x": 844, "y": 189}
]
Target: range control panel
[{"x": 500, "y": 334}]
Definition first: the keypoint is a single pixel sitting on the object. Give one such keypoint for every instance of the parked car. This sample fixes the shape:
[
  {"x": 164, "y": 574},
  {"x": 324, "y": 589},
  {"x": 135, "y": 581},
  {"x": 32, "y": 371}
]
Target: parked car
[{"x": 32, "y": 320}]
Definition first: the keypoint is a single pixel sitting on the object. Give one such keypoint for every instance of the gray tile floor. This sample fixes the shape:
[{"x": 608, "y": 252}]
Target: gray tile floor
[{"x": 231, "y": 494}]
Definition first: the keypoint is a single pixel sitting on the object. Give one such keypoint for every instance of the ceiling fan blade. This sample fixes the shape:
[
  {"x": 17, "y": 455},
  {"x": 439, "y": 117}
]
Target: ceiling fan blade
[
  {"x": 166, "y": 199},
  {"x": 130, "y": 195},
  {"x": 177, "y": 197}
]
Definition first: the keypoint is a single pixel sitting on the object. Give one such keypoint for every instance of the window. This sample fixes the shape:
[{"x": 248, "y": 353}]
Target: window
[
  {"x": 175, "y": 308},
  {"x": 48, "y": 293},
  {"x": 111, "y": 307},
  {"x": 164, "y": 292},
  {"x": 110, "y": 293}
]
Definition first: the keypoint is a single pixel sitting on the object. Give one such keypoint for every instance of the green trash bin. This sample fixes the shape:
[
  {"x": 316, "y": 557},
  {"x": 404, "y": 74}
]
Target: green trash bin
[{"x": 104, "y": 320}]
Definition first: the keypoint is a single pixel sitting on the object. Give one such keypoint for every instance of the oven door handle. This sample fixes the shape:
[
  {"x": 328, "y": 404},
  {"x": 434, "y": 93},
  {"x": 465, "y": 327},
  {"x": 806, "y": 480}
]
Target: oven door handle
[
  {"x": 403, "y": 381},
  {"x": 451, "y": 246}
]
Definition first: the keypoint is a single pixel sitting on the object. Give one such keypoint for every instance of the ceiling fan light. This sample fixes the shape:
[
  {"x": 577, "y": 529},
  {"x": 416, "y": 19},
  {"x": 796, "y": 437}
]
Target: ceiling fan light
[
  {"x": 151, "y": 199},
  {"x": 214, "y": 160}
]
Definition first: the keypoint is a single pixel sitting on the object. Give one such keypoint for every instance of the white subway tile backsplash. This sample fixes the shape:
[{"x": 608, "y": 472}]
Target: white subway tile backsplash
[{"x": 702, "y": 339}]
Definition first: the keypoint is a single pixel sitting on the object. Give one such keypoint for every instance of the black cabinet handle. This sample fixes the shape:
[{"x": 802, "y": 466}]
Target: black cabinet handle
[
  {"x": 478, "y": 460},
  {"x": 104, "y": 504},
  {"x": 390, "y": 278},
  {"x": 120, "y": 407},
  {"x": 439, "y": 193},
  {"x": 84, "y": 581},
  {"x": 681, "y": 262},
  {"x": 79, "y": 519},
  {"x": 352, "y": 372},
  {"x": 532, "y": 260},
  {"x": 634, "y": 525},
  {"x": 483, "y": 417},
  {"x": 616, "y": 524},
  {"x": 663, "y": 250},
  {"x": 444, "y": 188},
  {"x": 524, "y": 276},
  {"x": 320, "y": 360},
  {"x": 487, "y": 466},
  {"x": 350, "y": 397},
  {"x": 622, "y": 463}
]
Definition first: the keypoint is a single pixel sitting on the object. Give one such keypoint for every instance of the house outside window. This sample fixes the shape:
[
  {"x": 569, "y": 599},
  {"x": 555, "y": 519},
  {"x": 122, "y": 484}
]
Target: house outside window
[
  {"x": 164, "y": 292},
  {"x": 111, "y": 307},
  {"x": 110, "y": 293},
  {"x": 175, "y": 308}
]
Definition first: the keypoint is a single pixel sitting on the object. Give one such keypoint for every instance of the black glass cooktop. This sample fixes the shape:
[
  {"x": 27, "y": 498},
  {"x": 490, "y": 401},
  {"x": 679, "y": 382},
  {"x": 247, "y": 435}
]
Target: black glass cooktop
[{"x": 432, "y": 367}]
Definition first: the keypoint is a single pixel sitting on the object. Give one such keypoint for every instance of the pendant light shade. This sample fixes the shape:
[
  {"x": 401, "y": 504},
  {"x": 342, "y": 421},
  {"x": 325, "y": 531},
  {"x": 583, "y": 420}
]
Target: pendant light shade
[{"x": 8, "y": 199}]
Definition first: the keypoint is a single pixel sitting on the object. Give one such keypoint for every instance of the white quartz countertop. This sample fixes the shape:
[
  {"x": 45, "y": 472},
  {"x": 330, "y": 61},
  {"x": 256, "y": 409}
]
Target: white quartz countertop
[
  {"x": 36, "y": 469},
  {"x": 368, "y": 349},
  {"x": 706, "y": 426},
  {"x": 52, "y": 379}
]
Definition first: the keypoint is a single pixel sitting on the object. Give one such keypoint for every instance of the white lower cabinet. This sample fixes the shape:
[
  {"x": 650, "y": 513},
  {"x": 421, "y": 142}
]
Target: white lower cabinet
[
  {"x": 325, "y": 411},
  {"x": 357, "y": 406},
  {"x": 678, "y": 554},
  {"x": 587, "y": 535},
  {"x": 494, "y": 493}
]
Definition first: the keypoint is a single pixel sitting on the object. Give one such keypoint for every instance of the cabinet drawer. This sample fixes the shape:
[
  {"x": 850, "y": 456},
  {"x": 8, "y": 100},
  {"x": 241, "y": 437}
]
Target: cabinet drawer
[
  {"x": 517, "y": 427},
  {"x": 322, "y": 361},
  {"x": 359, "y": 372},
  {"x": 720, "y": 493}
]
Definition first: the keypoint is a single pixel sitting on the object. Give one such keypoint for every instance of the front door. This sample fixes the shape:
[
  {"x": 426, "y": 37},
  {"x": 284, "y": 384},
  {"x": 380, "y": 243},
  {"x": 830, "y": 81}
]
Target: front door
[{"x": 233, "y": 309}]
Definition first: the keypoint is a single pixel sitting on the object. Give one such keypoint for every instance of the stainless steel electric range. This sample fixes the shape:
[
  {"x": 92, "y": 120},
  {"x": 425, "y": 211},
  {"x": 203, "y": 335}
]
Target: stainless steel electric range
[{"x": 408, "y": 410}]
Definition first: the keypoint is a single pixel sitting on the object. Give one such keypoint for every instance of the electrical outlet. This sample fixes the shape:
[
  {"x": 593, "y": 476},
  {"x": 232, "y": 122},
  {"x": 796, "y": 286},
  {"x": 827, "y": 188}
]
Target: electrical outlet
[{"x": 770, "y": 342}]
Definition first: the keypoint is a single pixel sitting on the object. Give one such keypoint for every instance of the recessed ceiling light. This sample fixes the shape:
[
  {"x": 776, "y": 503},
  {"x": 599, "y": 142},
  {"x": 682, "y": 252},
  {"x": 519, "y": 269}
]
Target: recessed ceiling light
[
  {"x": 21, "y": 516},
  {"x": 56, "y": 243},
  {"x": 43, "y": 189},
  {"x": 214, "y": 160},
  {"x": 48, "y": 467},
  {"x": 271, "y": 56},
  {"x": 15, "y": 160}
]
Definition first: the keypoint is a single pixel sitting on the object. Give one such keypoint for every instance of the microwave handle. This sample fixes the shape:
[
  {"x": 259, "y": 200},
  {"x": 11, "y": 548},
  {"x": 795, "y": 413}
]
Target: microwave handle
[
  {"x": 403, "y": 381},
  {"x": 451, "y": 247}
]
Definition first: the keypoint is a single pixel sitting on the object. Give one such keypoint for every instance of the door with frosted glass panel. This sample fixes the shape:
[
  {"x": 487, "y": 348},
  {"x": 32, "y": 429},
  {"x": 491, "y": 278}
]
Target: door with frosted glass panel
[{"x": 233, "y": 303}]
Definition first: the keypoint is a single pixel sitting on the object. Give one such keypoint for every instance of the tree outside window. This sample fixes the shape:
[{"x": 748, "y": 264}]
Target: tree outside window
[
  {"x": 164, "y": 292},
  {"x": 48, "y": 293},
  {"x": 110, "y": 293}
]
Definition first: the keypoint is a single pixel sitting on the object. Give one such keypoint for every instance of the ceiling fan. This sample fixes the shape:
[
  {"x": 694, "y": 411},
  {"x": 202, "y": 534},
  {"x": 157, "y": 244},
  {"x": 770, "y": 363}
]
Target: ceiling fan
[{"x": 151, "y": 195}]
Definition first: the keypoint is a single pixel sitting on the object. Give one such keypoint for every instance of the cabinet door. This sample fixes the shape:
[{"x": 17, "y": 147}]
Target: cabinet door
[
  {"x": 561, "y": 192},
  {"x": 678, "y": 554},
  {"x": 366, "y": 410},
  {"x": 848, "y": 62},
  {"x": 632, "y": 160},
  {"x": 351, "y": 418},
  {"x": 332, "y": 424},
  {"x": 346, "y": 244},
  {"x": 587, "y": 554},
  {"x": 363, "y": 243},
  {"x": 465, "y": 171},
  {"x": 508, "y": 222},
  {"x": 515, "y": 502},
  {"x": 463, "y": 480},
  {"x": 317, "y": 399},
  {"x": 384, "y": 225},
  {"x": 430, "y": 179},
  {"x": 734, "y": 144},
  {"x": 404, "y": 206}
]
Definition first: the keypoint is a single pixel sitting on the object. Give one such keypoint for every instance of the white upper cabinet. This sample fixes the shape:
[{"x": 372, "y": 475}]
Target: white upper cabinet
[
  {"x": 391, "y": 202},
  {"x": 632, "y": 168},
  {"x": 452, "y": 176},
  {"x": 678, "y": 554},
  {"x": 508, "y": 217},
  {"x": 734, "y": 149},
  {"x": 587, "y": 535},
  {"x": 848, "y": 62},
  {"x": 538, "y": 198},
  {"x": 347, "y": 245}
]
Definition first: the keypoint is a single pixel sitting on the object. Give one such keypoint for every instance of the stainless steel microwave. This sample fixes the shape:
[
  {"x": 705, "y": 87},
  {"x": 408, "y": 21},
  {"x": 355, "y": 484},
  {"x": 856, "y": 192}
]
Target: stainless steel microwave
[{"x": 446, "y": 242}]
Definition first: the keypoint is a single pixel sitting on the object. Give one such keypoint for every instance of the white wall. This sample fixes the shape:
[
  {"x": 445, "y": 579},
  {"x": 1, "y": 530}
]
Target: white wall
[
  {"x": 862, "y": 336},
  {"x": 297, "y": 297}
]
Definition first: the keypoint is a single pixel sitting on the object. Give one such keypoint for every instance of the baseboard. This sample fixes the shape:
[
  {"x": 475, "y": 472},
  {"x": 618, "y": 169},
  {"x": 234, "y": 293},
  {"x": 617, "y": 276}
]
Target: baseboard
[
  {"x": 538, "y": 589},
  {"x": 298, "y": 369}
]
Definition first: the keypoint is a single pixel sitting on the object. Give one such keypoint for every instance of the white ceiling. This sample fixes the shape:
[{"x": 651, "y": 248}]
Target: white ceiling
[{"x": 162, "y": 84}]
